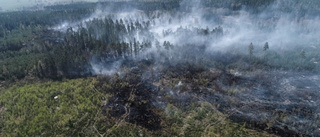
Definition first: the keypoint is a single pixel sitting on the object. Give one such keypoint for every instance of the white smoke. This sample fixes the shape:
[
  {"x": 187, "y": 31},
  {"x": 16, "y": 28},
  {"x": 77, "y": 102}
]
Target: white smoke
[
  {"x": 282, "y": 30},
  {"x": 106, "y": 68}
]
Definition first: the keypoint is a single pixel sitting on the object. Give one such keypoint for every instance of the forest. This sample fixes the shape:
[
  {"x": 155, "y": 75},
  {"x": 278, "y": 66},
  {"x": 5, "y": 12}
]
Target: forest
[{"x": 161, "y": 68}]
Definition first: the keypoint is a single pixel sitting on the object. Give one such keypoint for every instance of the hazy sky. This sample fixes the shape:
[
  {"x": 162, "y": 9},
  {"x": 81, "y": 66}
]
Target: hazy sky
[{"x": 13, "y": 4}]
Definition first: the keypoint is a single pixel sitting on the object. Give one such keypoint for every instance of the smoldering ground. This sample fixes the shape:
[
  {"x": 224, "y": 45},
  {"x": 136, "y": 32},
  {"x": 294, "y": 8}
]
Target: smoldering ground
[{"x": 275, "y": 88}]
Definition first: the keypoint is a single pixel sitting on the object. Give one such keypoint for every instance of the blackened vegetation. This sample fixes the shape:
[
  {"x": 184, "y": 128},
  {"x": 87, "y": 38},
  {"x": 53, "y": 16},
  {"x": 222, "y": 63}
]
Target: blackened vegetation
[
  {"x": 278, "y": 108},
  {"x": 131, "y": 101},
  {"x": 243, "y": 99},
  {"x": 139, "y": 98}
]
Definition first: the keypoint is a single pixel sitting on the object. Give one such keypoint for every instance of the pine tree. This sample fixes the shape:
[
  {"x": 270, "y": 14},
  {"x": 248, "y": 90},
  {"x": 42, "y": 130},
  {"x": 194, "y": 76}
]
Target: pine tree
[
  {"x": 303, "y": 54},
  {"x": 251, "y": 50},
  {"x": 266, "y": 46}
]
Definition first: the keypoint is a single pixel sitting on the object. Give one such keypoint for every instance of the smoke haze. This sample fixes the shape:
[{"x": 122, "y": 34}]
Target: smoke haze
[{"x": 200, "y": 35}]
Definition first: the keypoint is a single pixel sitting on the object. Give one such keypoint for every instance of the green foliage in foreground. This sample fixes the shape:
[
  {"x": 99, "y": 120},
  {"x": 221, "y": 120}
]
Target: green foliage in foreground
[
  {"x": 73, "y": 108},
  {"x": 32, "y": 110}
]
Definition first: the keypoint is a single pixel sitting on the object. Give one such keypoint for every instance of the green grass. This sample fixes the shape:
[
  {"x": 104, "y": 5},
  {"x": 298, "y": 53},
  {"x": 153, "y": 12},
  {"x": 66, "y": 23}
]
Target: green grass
[{"x": 31, "y": 110}]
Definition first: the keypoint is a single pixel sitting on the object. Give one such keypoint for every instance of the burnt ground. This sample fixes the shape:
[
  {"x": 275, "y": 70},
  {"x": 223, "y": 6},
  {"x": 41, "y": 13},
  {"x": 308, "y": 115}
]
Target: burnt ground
[
  {"x": 131, "y": 100},
  {"x": 282, "y": 103}
]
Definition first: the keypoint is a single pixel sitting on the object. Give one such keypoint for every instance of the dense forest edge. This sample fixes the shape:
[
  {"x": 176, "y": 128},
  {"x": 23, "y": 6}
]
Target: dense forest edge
[{"x": 152, "y": 68}]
